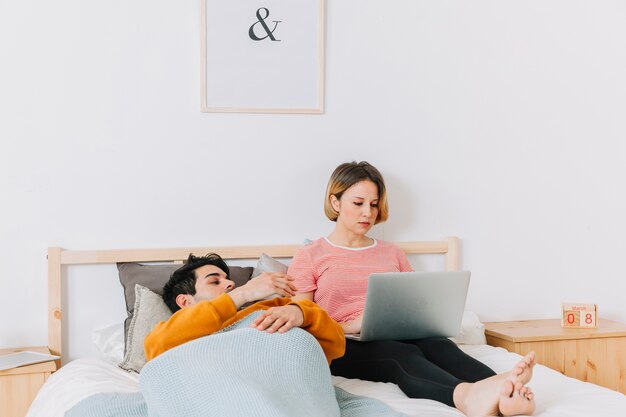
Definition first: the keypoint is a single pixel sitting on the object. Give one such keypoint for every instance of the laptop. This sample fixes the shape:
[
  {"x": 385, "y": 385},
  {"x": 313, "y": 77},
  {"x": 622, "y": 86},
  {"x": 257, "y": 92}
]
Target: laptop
[
  {"x": 15, "y": 359},
  {"x": 413, "y": 305}
]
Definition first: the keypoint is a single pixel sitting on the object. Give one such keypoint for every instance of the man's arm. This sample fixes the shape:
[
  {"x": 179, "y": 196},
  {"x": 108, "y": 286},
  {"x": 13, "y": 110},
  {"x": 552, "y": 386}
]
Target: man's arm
[
  {"x": 188, "y": 324},
  {"x": 264, "y": 285},
  {"x": 207, "y": 317},
  {"x": 286, "y": 314},
  {"x": 326, "y": 330}
]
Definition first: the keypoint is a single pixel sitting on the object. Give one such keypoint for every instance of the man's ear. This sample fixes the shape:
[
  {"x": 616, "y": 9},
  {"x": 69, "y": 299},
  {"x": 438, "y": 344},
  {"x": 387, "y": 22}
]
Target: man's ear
[
  {"x": 334, "y": 202},
  {"x": 184, "y": 300}
]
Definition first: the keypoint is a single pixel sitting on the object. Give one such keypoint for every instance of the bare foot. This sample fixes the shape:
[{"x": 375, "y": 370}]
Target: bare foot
[
  {"x": 483, "y": 398},
  {"x": 523, "y": 370},
  {"x": 480, "y": 398},
  {"x": 516, "y": 399}
]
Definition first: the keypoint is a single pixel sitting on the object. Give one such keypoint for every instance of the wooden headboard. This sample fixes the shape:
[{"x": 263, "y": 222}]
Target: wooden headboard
[{"x": 58, "y": 258}]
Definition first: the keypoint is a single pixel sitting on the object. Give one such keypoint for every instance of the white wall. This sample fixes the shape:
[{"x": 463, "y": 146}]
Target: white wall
[{"x": 500, "y": 122}]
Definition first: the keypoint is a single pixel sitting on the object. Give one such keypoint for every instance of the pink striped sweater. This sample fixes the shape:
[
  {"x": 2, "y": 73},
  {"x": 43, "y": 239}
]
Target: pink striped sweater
[{"x": 338, "y": 275}]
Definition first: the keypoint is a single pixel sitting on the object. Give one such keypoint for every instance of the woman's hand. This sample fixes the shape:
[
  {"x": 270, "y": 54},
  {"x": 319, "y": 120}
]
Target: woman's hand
[
  {"x": 352, "y": 326},
  {"x": 279, "y": 319}
]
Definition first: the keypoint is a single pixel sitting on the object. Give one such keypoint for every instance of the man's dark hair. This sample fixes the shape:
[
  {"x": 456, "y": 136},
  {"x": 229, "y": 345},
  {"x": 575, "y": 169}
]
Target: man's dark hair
[{"x": 183, "y": 280}]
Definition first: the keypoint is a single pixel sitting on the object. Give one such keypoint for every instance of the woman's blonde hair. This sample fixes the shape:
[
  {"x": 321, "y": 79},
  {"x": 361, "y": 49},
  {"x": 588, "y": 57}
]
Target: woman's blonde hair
[{"x": 348, "y": 174}]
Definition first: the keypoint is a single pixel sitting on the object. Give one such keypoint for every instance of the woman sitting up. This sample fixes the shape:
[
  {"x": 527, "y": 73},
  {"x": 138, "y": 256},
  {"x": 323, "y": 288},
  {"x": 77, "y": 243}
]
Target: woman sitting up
[{"x": 333, "y": 271}]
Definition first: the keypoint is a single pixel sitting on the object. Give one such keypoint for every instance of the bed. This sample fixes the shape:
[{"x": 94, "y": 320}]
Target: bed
[{"x": 556, "y": 394}]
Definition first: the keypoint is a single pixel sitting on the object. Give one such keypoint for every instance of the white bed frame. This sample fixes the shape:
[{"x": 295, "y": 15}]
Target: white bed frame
[{"x": 59, "y": 258}]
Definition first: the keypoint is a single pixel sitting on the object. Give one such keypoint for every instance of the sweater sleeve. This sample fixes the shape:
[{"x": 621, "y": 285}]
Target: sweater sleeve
[
  {"x": 327, "y": 331},
  {"x": 301, "y": 269},
  {"x": 188, "y": 324},
  {"x": 405, "y": 265}
]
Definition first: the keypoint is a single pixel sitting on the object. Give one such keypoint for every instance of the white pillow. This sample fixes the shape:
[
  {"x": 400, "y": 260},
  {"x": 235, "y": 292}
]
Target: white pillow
[
  {"x": 472, "y": 330},
  {"x": 110, "y": 342}
]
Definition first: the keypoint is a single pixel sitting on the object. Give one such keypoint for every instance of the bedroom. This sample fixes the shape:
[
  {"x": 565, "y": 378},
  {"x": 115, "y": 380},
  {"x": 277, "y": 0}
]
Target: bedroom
[{"x": 500, "y": 123}]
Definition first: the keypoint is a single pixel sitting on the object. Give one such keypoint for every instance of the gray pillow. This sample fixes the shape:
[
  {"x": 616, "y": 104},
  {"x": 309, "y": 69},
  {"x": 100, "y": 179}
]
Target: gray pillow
[
  {"x": 154, "y": 278},
  {"x": 149, "y": 309}
]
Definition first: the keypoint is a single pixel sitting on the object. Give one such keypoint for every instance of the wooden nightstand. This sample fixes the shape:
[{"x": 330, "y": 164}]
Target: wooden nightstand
[
  {"x": 592, "y": 355},
  {"x": 19, "y": 386}
]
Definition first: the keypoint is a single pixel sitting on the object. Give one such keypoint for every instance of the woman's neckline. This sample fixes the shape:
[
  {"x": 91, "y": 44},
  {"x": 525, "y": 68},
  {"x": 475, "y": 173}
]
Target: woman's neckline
[{"x": 375, "y": 242}]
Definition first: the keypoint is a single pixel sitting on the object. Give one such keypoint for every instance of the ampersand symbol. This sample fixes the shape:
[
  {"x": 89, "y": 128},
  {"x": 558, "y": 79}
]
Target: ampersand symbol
[{"x": 261, "y": 20}]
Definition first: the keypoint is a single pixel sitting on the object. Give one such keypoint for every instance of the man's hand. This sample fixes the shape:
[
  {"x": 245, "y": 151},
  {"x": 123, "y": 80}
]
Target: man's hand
[
  {"x": 352, "y": 326},
  {"x": 263, "y": 286},
  {"x": 279, "y": 319}
]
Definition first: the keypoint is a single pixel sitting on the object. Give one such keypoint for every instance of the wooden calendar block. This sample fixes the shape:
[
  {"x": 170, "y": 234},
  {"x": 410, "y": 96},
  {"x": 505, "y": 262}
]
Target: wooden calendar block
[{"x": 579, "y": 315}]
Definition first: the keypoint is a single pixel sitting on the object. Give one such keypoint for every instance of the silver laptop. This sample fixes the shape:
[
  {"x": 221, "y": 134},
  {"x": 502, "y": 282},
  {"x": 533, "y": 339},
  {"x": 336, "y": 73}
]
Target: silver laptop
[{"x": 413, "y": 305}]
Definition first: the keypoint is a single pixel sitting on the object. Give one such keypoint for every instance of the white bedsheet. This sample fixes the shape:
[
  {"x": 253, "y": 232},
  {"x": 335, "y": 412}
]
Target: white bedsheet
[{"x": 556, "y": 395}]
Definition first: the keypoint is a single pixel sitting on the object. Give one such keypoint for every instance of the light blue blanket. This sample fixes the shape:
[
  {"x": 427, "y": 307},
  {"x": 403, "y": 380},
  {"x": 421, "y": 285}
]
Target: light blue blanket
[{"x": 237, "y": 372}]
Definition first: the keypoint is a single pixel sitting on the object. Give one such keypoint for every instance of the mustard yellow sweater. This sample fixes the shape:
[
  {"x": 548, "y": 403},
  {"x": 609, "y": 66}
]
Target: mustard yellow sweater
[{"x": 207, "y": 317}]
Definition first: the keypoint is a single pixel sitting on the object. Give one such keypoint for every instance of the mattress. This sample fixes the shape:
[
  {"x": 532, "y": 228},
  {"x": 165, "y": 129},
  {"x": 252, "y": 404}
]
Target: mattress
[{"x": 556, "y": 395}]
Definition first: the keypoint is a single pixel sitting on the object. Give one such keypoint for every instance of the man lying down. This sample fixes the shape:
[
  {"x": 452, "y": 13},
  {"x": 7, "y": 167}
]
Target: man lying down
[
  {"x": 204, "y": 300},
  {"x": 209, "y": 358}
]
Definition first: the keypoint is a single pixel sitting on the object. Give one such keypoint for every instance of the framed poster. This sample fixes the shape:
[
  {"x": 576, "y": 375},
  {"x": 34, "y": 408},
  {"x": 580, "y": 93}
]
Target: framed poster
[{"x": 262, "y": 56}]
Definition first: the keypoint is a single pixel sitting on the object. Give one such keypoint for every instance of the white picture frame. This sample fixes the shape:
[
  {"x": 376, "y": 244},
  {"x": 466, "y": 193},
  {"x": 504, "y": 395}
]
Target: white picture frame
[{"x": 262, "y": 56}]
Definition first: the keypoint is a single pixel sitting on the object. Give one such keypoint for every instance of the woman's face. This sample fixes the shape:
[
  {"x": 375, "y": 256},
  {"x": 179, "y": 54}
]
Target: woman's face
[{"x": 358, "y": 207}]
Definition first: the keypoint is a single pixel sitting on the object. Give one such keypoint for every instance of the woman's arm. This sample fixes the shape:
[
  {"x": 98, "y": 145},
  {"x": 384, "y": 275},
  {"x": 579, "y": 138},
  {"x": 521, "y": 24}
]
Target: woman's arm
[
  {"x": 303, "y": 296},
  {"x": 349, "y": 327},
  {"x": 352, "y": 326}
]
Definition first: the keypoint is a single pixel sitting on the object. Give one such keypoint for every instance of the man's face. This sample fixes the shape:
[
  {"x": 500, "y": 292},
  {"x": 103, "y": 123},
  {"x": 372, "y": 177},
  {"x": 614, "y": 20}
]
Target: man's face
[{"x": 211, "y": 282}]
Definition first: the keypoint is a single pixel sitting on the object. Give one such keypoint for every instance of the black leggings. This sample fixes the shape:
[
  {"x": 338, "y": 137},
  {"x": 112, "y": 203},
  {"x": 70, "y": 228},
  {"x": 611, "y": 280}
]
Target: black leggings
[{"x": 427, "y": 368}]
